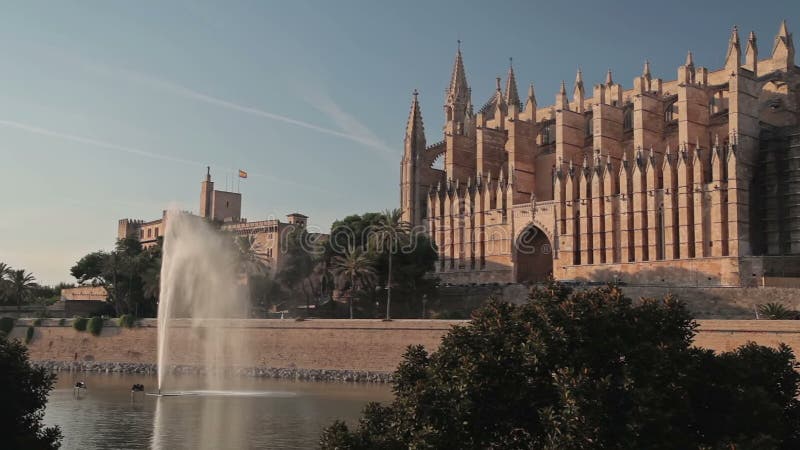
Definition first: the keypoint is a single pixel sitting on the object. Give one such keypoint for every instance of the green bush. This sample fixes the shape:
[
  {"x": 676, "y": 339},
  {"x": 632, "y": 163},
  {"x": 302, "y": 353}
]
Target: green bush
[
  {"x": 29, "y": 335},
  {"x": 95, "y": 325},
  {"x": 37, "y": 322},
  {"x": 127, "y": 321},
  {"x": 584, "y": 369},
  {"x": 80, "y": 323},
  {"x": 6, "y": 324},
  {"x": 24, "y": 390},
  {"x": 777, "y": 311},
  {"x": 62, "y": 322}
]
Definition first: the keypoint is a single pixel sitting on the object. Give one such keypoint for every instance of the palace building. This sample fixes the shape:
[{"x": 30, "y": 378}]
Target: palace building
[
  {"x": 693, "y": 181},
  {"x": 224, "y": 209}
]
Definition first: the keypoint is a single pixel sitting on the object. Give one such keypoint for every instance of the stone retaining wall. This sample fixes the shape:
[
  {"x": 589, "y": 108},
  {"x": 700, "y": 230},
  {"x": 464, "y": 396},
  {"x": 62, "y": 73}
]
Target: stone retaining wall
[{"x": 347, "y": 350}]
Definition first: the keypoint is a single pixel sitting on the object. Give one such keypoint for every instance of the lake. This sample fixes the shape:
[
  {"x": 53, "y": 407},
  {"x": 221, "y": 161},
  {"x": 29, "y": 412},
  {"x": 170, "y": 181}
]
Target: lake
[{"x": 248, "y": 413}]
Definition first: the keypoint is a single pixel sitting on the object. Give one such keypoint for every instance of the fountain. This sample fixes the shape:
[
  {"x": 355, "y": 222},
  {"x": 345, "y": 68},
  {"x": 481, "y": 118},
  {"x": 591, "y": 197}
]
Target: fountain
[{"x": 202, "y": 294}]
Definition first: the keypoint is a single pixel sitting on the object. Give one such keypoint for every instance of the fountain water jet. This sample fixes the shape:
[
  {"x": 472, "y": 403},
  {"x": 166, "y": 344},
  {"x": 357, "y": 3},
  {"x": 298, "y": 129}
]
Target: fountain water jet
[{"x": 201, "y": 293}]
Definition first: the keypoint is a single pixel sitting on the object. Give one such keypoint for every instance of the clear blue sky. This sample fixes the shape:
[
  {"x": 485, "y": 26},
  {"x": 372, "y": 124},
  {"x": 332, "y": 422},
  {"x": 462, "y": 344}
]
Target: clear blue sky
[{"x": 112, "y": 109}]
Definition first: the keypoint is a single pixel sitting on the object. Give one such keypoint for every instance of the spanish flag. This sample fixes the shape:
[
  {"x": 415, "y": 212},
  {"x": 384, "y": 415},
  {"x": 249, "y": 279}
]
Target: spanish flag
[{"x": 242, "y": 174}]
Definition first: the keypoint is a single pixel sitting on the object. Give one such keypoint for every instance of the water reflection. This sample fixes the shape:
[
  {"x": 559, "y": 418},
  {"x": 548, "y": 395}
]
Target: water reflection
[{"x": 255, "y": 413}]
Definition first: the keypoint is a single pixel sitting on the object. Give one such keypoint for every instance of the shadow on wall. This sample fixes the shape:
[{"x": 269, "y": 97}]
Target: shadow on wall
[
  {"x": 661, "y": 276},
  {"x": 705, "y": 302}
]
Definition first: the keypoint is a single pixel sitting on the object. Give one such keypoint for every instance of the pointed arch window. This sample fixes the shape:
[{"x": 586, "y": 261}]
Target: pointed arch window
[
  {"x": 669, "y": 113},
  {"x": 627, "y": 118},
  {"x": 589, "y": 124}
]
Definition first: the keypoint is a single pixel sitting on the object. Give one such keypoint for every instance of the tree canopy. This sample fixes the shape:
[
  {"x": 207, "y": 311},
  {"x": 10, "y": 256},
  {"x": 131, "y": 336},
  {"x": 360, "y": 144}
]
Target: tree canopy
[
  {"x": 129, "y": 273},
  {"x": 24, "y": 390},
  {"x": 588, "y": 369}
]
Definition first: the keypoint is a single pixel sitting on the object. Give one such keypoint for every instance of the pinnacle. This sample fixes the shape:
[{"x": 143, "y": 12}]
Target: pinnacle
[
  {"x": 531, "y": 94},
  {"x": 689, "y": 59},
  {"x": 579, "y": 77},
  {"x": 752, "y": 37},
  {"x": 609, "y": 79},
  {"x": 512, "y": 95},
  {"x": 646, "y": 70},
  {"x": 783, "y": 31},
  {"x": 563, "y": 90}
]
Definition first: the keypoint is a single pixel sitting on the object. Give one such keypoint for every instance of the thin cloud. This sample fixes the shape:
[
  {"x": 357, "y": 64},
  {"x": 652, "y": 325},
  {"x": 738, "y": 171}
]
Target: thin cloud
[
  {"x": 134, "y": 151},
  {"x": 323, "y": 103},
  {"x": 353, "y": 130}
]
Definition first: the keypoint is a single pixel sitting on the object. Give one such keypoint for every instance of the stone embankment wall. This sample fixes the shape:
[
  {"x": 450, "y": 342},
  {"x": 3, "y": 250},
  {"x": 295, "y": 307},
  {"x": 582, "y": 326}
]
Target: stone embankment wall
[
  {"x": 314, "y": 349},
  {"x": 703, "y": 301}
]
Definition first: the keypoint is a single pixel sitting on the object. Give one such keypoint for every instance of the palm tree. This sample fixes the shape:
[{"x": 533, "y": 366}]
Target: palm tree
[
  {"x": 777, "y": 311},
  {"x": 5, "y": 272},
  {"x": 390, "y": 232},
  {"x": 21, "y": 285},
  {"x": 355, "y": 268},
  {"x": 253, "y": 259}
]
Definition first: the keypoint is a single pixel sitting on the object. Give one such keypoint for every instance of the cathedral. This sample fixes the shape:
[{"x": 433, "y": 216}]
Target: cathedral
[{"x": 693, "y": 181}]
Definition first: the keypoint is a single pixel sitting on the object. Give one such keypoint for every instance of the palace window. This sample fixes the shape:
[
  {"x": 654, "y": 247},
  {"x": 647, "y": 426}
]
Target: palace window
[{"x": 156, "y": 232}]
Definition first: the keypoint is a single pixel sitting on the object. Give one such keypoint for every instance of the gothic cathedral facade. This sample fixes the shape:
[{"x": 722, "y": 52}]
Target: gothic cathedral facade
[{"x": 694, "y": 181}]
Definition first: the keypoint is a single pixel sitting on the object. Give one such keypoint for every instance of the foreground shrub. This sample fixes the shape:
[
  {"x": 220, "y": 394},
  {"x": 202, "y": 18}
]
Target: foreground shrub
[
  {"x": 62, "y": 322},
  {"x": 23, "y": 390},
  {"x": 37, "y": 322},
  {"x": 95, "y": 325},
  {"x": 777, "y": 311},
  {"x": 127, "y": 321},
  {"x": 588, "y": 369},
  {"x": 29, "y": 334},
  {"x": 6, "y": 324},
  {"x": 79, "y": 323}
]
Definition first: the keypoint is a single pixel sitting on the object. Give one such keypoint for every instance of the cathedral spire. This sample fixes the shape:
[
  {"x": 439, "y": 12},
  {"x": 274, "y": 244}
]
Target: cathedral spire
[
  {"x": 783, "y": 49},
  {"x": 733, "y": 56},
  {"x": 751, "y": 54},
  {"x": 562, "y": 102},
  {"x": 415, "y": 130},
  {"x": 689, "y": 60},
  {"x": 609, "y": 79},
  {"x": 458, "y": 80},
  {"x": 512, "y": 96},
  {"x": 458, "y": 100},
  {"x": 646, "y": 70}
]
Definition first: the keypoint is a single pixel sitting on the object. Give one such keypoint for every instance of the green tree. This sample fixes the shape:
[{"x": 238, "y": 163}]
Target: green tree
[
  {"x": 21, "y": 284},
  {"x": 298, "y": 265},
  {"x": 389, "y": 234},
  {"x": 353, "y": 271},
  {"x": 5, "y": 289},
  {"x": 24, "y": 390},
  {"x": 413, "y": 256},
  {"x": 253, "y": 259},
  {"x": 129, "y": 273},
  {"x": 588, "y": 369}
]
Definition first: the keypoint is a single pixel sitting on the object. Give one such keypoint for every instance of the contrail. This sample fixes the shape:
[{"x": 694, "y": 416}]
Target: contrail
[
  {"x": 93, "y": 142},
  {"x": 135, "y": 151},
  {"x": 186, "y": 92}
]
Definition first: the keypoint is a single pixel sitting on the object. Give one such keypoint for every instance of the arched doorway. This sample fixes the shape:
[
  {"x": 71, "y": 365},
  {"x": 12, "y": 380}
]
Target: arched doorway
[{"x": 533, "y": 255}]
